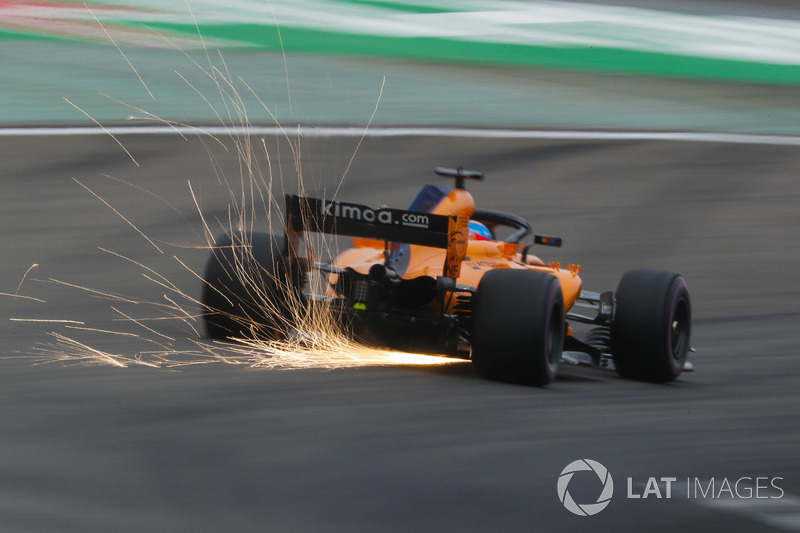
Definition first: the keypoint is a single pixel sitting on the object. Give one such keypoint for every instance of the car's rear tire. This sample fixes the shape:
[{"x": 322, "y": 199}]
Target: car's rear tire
[
  {"x": 651, "y": 329},
  {"x": 518, "y": 326},
  {"x": 250, "y": 290}
]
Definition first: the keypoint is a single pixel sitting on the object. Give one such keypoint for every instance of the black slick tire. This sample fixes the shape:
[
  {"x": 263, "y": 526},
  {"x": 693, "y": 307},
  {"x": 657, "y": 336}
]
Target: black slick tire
[
  {"x": 250, "y": 290},
  {"x": 518, "y": 326},
  {"x": 651, "y": 327}
]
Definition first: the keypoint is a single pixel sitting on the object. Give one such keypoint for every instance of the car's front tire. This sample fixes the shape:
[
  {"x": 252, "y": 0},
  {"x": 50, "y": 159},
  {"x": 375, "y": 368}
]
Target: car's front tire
[
  {"x": 651, "y": 328},
  {"x": 518, "y": 326}
]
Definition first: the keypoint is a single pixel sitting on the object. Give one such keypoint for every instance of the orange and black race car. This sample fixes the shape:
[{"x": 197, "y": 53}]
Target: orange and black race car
[{"x": 439, "y": 278}]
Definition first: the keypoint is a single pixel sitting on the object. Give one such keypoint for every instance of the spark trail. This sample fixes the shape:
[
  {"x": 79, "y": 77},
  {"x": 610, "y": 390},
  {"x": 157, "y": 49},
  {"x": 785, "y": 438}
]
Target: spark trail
[{"x": 309, "y": 335}]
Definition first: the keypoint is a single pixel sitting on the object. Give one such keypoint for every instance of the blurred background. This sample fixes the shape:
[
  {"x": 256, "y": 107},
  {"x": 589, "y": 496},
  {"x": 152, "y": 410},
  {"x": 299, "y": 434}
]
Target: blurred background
[
  {"x": 645, "y": 134},
  {"x": 539, "y": 63}
]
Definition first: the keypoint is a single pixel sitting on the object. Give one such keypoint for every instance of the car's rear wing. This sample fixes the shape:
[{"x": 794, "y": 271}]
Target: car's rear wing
[{"x": 305, "y": 214}]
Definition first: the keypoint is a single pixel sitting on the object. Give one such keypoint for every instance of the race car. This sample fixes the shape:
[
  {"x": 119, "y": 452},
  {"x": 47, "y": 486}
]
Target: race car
[{"x": 444, "y": 277}]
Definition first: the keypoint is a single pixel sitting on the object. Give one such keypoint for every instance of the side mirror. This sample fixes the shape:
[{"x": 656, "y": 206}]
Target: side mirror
[{"x": 547, "y": 240}]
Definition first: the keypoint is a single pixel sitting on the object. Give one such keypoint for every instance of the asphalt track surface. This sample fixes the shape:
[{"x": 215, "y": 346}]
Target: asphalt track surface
[{"x": 226, "y": 448}]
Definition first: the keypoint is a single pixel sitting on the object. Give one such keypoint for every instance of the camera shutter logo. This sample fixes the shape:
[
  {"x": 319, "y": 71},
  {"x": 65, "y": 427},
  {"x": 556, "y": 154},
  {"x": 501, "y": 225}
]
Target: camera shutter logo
[{"x": 585, "y": 509}]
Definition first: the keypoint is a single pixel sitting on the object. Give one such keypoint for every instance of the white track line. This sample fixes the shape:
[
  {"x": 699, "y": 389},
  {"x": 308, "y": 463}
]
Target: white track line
[
  {"x": 783, "y": 513},
  {"x": 779, "y": 512},
  {"x": 412, "y": 131}
]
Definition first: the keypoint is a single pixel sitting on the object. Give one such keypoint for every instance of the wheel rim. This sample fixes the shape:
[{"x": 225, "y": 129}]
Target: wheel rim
[
  {"x": 679, "y": 331},
  {"x": 553, "y": 338}
]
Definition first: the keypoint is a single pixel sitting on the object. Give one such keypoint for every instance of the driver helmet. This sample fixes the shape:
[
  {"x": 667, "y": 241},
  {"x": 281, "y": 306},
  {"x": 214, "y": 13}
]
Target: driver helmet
[{"x": 479, "y": 231}]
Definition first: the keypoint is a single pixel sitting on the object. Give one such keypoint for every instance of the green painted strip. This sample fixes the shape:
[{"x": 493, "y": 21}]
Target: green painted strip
[
  {"x": 403, "y": 7},
  {"x": 437, "y": 49},
  {"x": 15, "y": 35},
  {"x": 551, "y": 34}
]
